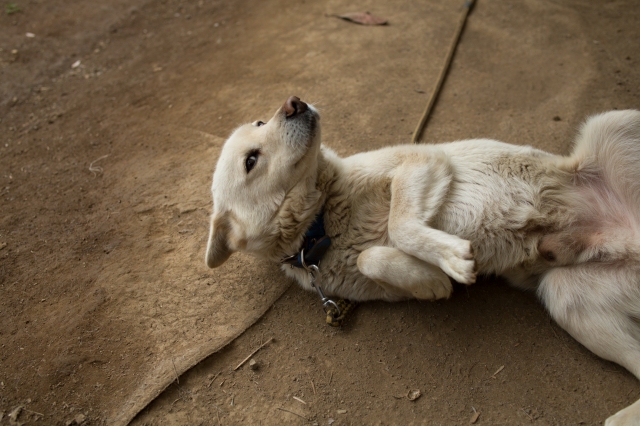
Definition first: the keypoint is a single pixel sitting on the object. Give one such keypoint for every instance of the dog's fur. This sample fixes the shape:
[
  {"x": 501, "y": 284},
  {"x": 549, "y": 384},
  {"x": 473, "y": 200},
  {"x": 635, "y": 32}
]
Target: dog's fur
[{"x": 404, "y": 219}]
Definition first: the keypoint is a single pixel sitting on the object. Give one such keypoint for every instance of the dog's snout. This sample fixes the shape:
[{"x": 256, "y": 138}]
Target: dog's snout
[{"x": 294, "y": 106}]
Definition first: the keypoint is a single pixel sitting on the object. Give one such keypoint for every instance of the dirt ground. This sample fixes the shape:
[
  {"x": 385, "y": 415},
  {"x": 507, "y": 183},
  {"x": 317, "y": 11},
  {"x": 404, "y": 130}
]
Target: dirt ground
[{"x": 111, "y": 117}]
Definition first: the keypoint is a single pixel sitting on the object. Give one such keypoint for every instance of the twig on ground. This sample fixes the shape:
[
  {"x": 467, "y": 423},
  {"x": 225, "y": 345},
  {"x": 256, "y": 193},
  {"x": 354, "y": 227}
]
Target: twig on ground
[
  {"x": 493, "y": 376},
  {"x": 443, "y": 72},
  {"x": 299, "y": 400},
  {"x": 252, "y": 354},
  {"x": 296, "y": 414},
  {"x": 528, "y": 415},
  {"x": 214, "y": 377},
  {"x": 313, "y": 387},
  {"x": 34, "y": 412}
]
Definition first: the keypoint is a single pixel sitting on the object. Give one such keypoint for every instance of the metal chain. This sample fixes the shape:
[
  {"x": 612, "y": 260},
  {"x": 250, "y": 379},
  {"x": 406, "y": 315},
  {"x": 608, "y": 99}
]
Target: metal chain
[{"x": 314, "y": 272}]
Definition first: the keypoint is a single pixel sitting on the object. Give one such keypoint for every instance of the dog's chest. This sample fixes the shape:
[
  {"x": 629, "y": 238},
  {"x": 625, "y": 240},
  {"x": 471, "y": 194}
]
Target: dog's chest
[
  {"x": 356, "y": 218},
  {"x": 357, "y": 213}
]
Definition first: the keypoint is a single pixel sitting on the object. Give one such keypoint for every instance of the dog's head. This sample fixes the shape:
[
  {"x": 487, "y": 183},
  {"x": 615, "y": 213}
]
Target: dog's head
[{"x": 260, "y": 164}]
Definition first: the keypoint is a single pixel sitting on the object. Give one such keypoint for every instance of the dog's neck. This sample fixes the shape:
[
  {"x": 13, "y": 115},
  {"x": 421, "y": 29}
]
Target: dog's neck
[{"x": 300, "y": 208}]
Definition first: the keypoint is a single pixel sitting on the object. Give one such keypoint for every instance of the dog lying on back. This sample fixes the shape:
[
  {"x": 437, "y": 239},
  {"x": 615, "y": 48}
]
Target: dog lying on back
[{"x": 399, "y": 222}]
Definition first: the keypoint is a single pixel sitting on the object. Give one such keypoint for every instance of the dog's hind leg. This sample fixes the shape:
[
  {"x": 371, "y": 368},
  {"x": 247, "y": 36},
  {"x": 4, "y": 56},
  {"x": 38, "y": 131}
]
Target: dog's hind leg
[
  {"x": 391, "y": 267},
  {"x": 626, "y": 417},
  {"x": 418, "y": 189},
  {"x": 599, "y": 305}
]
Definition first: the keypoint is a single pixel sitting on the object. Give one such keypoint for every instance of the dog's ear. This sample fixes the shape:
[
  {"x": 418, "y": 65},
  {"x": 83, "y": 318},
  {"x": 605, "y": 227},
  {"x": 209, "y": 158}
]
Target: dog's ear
[{"x": 218, "y": 250}]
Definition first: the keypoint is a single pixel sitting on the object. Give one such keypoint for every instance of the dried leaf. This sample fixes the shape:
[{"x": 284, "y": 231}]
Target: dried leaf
[{"x": 362, "y": 18}]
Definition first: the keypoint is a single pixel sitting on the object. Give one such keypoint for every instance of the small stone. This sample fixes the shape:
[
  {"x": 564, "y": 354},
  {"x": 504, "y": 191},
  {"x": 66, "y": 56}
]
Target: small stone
[
  {"x": 253, "y": 364},
  {"x": 414, "y": 394},
  {"x": 80, "y": 418},
  {"x": 341, "y": 411}
]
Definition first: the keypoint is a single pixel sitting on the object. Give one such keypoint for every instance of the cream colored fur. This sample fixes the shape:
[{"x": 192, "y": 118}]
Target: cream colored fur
[{"x": 404, "y": 219}]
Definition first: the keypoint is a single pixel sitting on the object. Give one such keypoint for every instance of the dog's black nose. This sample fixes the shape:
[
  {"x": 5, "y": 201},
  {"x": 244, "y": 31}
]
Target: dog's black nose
[{"x": 294, "y": 106}]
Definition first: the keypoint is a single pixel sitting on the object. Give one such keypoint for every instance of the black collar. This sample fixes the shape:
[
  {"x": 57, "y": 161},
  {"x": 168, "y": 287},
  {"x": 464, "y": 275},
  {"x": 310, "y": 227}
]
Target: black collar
[{"x": 314, "y": 245}]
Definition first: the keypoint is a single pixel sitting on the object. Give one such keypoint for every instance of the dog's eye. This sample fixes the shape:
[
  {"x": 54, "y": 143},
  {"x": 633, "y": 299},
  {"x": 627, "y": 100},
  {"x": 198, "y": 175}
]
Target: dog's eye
[
  {"x": 259, "y": 123},
  {"x": 251, "y": 161}
]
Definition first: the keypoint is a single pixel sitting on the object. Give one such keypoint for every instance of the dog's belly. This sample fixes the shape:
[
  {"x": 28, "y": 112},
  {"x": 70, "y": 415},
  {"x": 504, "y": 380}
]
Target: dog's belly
[
  {"x": 502, "y": 236},
  {"x": 504, "y": 206}
]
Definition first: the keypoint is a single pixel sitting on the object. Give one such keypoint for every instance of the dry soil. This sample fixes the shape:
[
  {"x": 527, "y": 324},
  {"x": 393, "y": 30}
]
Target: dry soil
[{"x": 112, "y": 114}]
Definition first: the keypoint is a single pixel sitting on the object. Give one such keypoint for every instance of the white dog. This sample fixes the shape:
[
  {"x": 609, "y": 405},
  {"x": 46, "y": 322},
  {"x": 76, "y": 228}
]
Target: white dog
[{"x": 398, "y": 222}]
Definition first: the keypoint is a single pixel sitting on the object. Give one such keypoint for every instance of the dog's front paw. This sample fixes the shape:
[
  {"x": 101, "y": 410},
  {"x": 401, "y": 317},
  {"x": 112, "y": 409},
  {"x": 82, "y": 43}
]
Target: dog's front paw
[{"x": 459, "y": 262}]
